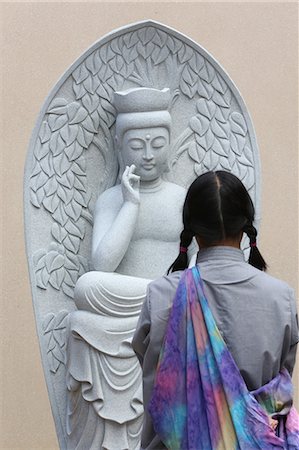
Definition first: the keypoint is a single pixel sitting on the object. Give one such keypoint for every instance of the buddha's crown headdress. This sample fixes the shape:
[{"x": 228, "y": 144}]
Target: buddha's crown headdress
[{"x": 141, "y": 108}]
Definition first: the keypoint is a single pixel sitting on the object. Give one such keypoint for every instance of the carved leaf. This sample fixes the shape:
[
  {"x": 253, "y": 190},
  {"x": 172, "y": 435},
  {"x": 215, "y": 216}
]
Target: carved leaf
[
  {"x": 56, "y": 143},
  {"x": 206, "y": 107},
  {"x": 244, "y": 161},
  {"x": 90, "y": 102},
  {"x": 51, "y": 203},
  {"x": 221, "y": 146},
  {"x": 211, "y": 160},
  {"x": 88, "y": 85},
  {"x": 248, "y": 154},
  {"x": 73, "y": 151},
  {"x": 237, "y": 143},
  {"x": 69, "y": 291},
  {"x": 221, "y": 130},
  {"x": 196, "y": 62},
  {"x": 207, "y": 140},
  {"x": 196, "y": 152},
  {"x": 58, "y": 232},
  {"x": 54, "y": 261},
  {"x": 48, "y": 323},
  {"x": 42, "y": 278},
  {"x": 79, "y": 183},
  {"x": 69, "y": 134},
  {"x": 73, "y": 210},
  {"x": 219, "y": 84},
  {"x": 38, "y": 258},
  {"x": 60, "y": 215},
  {"x": 160, "y": 38},
  {"x": 93, "y": 63},
  {"x": 238, "y": 124},
  {"x": 207, "y": 73},
  {"x": 54, "y": 330},
  {"x": 61, "y": 164},
  {"x": 199, "y": 124},
  {"x": 202, "y": 90},
  {"x": 87, "y": 124},
  {"x": 60, "y": 338},
  {"x": 185, "y": 53},
  {"x": 130, "y": 39},
  {"x": 58, "y": 102},
  {"x": 72, "y": 262},
  {"x": 45, "y": 132},
  {"x": 79, "y": 166},
  {"x": 60, "y": 122},
  {"x": 222, "y": 114},
  {"x": 79, "y": 116},
  {"x": 80, "y": 74},
  {"x": 67, "y": 179},
  {"x": 225, "y": 163},
  {"x": 71, "y": 277},
  {"x": 219, "y": 100},
  {"x": 47, "y": 166},
  {"x": 161, "y": 55},
  {"x": 72, "y": 243},
  {"x": 77, "y": 229},
  {"x": 171, "y": 44},
  {"x": 60, "y": 322},
  {"x": 39, "y": 181},
  {"x": 79, "y": 91},
  {"x": 188, "y": 83},
  {"x": 56, "y": 278}
]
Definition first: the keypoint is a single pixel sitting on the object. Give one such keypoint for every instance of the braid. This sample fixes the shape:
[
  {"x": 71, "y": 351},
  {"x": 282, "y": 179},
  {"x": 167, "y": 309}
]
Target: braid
[
  {"x": 255, "y": 257},
  {"x": 181, "y": 263}
]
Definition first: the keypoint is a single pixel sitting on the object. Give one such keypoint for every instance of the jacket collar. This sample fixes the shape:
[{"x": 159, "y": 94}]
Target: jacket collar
[{"x": 224, "y": 265}]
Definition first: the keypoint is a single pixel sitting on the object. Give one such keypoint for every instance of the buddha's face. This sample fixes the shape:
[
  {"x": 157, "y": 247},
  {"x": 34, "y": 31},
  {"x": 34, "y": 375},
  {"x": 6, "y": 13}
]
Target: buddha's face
[{"x": 147, "y": 149}]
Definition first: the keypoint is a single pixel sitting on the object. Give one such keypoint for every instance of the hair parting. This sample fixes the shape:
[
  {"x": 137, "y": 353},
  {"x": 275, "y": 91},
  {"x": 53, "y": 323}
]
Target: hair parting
[{"x": 217, "y": 206}]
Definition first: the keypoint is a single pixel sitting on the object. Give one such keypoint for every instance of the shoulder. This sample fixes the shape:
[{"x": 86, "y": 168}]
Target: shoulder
[
  {"x": 161, "y": 291},
  {"x": 276, "y": 291},
  {"x": 272, "y": 283},
  {"x": 174, "y": 188},
  {"x": 113, "y": 194}
]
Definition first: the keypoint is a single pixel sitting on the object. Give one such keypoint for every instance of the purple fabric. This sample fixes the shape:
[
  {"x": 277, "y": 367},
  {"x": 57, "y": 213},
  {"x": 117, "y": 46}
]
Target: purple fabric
[{"x": 200, "y": 400}]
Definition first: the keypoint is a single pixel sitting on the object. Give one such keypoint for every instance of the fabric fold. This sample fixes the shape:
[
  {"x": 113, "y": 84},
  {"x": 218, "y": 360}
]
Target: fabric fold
[{"x": 200, "y": 400}]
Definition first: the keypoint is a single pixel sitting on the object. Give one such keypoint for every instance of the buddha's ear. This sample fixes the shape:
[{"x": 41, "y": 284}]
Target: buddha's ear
[{"x": 119, "y": 156}]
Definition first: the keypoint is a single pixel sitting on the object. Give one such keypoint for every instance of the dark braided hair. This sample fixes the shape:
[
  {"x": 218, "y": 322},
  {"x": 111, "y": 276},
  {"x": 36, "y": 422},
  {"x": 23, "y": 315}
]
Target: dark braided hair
[{"x": 217, "y": 207}]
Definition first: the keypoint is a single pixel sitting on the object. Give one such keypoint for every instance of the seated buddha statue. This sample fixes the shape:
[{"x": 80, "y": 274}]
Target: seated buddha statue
[{"x": 137, "y": 224}]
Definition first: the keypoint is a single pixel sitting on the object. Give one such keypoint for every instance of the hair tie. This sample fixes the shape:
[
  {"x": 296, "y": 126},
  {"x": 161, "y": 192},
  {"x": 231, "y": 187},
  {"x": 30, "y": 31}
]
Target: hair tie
[
  {"x": 183, "y": 249},
  {"x": 253, "y": 244}
]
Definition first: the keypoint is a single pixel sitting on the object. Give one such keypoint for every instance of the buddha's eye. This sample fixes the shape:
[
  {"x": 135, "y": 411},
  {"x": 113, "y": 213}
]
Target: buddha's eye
[
  {"x": 136, "y": 144},
  {"x": 159, "y": 142}
]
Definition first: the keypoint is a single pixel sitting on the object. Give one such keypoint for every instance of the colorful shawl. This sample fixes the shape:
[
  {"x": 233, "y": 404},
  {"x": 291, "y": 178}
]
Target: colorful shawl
[{"x": 200, "y": 400}]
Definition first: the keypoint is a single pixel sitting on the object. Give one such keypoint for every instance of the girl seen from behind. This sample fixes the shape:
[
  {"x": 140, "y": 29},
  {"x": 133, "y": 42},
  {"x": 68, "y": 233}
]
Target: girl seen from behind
[{"x": 228, "y": 333}]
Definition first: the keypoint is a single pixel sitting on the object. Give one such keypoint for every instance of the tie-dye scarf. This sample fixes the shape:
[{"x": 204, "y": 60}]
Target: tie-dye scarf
[{"x": 200, "y": 400}]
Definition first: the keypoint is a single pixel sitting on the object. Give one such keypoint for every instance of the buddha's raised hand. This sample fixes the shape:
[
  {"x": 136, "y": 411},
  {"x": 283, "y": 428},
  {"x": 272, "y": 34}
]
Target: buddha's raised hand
[{"x": 130, "y": 185}]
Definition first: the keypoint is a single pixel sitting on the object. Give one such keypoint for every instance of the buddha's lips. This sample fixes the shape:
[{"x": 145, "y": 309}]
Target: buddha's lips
[{"x": 148, "y": 166}]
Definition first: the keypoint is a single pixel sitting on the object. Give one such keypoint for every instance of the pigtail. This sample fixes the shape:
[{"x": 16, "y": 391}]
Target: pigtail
[
  {"x": 255, "y": 257},
  {"x": 181, "y": 263}
]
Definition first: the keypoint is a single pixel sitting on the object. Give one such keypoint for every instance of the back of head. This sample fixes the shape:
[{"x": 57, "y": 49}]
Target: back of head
[{"x": 217, "y": 207}]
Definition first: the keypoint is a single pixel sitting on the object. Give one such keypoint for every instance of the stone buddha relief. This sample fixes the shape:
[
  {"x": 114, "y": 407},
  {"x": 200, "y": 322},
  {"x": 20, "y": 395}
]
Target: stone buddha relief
[{"x": 123, "y": 133}]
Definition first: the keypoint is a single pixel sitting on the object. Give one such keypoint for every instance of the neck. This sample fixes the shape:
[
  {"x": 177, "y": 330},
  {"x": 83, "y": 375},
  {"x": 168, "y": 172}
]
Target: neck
[
  {"x": 151, "y": 185},
  {"x": 228, "y": 242}
]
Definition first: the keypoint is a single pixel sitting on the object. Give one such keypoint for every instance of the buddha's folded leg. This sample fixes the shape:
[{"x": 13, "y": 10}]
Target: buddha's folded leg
[{"x": 110, "y": 294}]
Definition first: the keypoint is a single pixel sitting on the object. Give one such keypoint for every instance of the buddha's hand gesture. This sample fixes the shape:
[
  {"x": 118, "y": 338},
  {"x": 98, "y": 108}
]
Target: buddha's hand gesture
[{"x": 130, "y": 185}]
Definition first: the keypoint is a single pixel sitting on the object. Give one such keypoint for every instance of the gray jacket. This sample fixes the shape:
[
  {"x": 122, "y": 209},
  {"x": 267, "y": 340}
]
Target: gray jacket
[{"x": 255, "y": 313}]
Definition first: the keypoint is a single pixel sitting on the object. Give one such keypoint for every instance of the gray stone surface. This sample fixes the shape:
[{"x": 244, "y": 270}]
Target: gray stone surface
[{"x": 95, "y": 126}]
